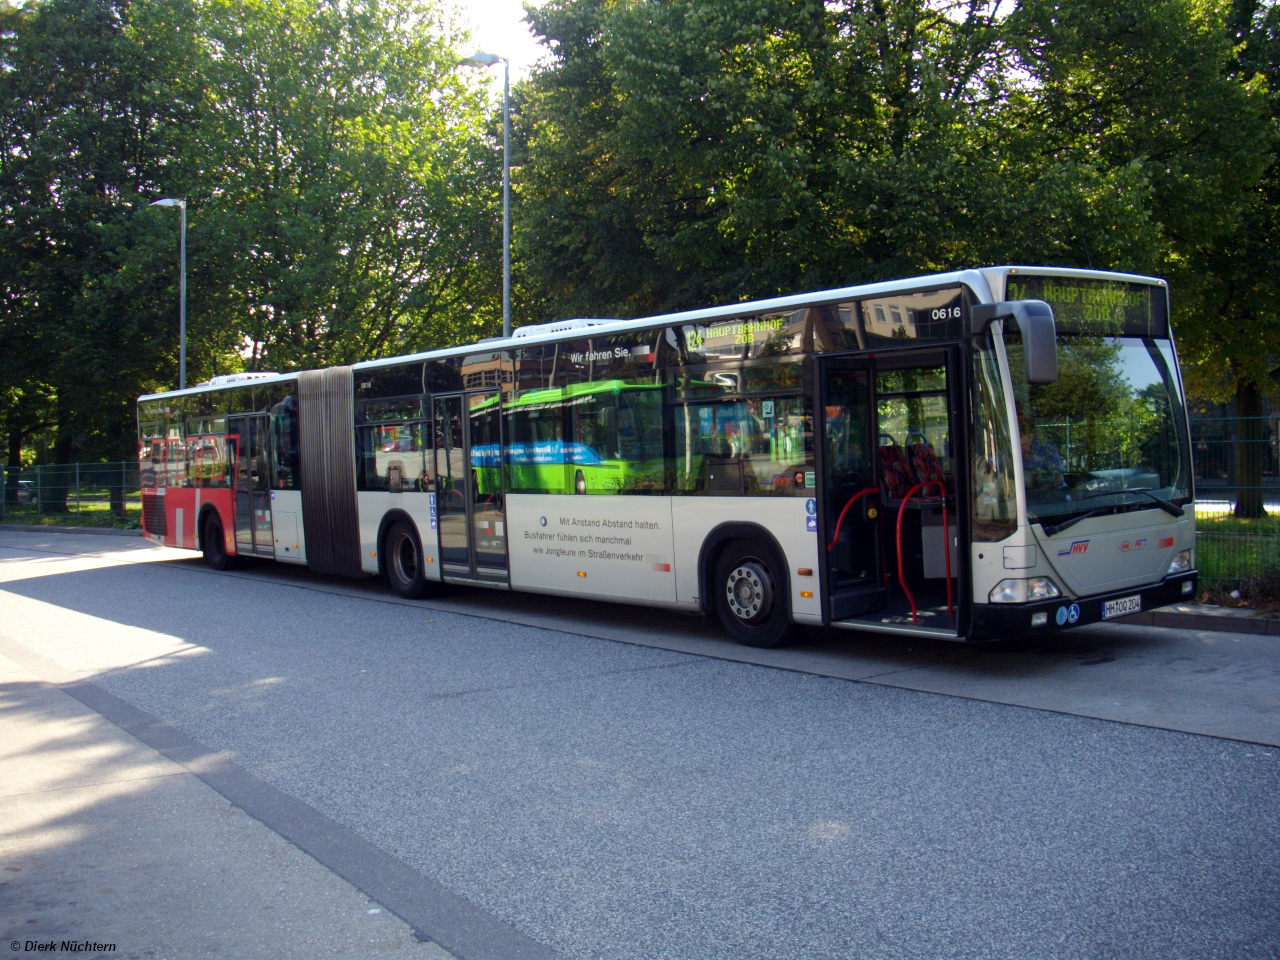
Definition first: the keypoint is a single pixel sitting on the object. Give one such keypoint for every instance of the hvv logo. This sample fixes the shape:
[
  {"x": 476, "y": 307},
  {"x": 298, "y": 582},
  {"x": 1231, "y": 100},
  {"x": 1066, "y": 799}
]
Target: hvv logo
[{"x": 1078, "y": 546}]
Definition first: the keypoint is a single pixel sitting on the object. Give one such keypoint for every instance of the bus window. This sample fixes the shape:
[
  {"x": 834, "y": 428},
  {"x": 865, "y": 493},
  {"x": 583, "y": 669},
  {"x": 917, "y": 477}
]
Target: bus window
[
  {"x": 284, "y": 445},
  {"x": 914, "y": 429},
  {"x": 535, "y": 455},
  {"x": 587, "y": 439},
  {"x": 753, "y": 447},
  {"x": 640, "y": 425},
  {"x": 995, "y": 512},
  {"x": 485, "y": 451},
  {"x": 595, "y": 428},
  {"x": 175, "y": 456},
  {"x": 209, "y": 466},
  {"x": 390, "y": 451}
]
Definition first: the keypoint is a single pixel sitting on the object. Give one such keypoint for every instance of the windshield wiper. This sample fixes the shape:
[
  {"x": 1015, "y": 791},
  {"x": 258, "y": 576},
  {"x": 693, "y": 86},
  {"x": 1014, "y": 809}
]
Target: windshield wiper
[
  {"x": 1057, "y": 528},
  {"x": 1165, "y": 505},
  {"x": 1170, "y": 508}
]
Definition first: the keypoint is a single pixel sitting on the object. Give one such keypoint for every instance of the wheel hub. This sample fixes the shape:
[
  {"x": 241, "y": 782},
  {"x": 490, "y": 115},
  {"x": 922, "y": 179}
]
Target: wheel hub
[
  {"x": 406, "y": 559},
  {"x": 750, "y": 591}
]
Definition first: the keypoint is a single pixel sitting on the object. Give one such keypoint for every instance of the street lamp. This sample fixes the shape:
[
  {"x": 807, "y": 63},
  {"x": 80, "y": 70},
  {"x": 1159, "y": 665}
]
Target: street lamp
[
  {"x": 182, "y": 287},
  {"x": 488, "y": 60}
]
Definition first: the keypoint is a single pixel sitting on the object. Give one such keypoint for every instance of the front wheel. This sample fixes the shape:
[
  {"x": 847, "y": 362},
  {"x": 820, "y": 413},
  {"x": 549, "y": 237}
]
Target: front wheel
[
  {"x": 748, "y": 595},
  {"x": 405, "y": 570},
  {"x": 214, "y": 545}
]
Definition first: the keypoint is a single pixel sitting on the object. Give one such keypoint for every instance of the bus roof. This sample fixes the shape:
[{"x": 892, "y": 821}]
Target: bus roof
[
  {"x": 217, "y": 384},
  {"x": 987, "y": 283}
]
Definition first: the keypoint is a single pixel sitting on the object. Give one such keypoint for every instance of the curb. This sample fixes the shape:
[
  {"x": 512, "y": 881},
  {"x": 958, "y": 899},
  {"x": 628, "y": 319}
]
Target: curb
[
  {"x": 62, "y": 528},
  {"x": 1194, "y": 616}
]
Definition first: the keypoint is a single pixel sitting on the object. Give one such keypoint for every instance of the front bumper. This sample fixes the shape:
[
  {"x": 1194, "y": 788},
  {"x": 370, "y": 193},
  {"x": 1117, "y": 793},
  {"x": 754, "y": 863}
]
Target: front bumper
[{"x": 999, "y": 621}]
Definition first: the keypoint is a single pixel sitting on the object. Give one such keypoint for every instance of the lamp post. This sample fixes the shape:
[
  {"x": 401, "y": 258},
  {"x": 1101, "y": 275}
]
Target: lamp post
[
  {"x": 182, "y": 286},
  {"x": 488, "y": 60}
]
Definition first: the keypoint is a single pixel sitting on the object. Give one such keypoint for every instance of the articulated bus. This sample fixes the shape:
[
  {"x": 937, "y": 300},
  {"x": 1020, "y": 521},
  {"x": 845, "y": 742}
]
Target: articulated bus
[{"x": 980, "y": 454}]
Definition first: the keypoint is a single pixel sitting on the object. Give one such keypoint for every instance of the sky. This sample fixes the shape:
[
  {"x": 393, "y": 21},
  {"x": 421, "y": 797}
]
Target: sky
[{"x": 497, "y": 27}]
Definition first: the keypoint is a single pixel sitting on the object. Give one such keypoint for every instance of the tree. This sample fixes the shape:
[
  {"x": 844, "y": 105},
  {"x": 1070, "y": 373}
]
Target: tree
[
  {"x": 89, "y": 111},
  {"x": 343, "y": 197},
  {"x": 1230, "y": 338},
  {"x": 684, "y": 152}
]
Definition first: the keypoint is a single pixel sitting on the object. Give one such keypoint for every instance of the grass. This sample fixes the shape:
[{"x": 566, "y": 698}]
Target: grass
[
  {"x": 1234, "y": 554},
  {"x": 87, "y": 513}
]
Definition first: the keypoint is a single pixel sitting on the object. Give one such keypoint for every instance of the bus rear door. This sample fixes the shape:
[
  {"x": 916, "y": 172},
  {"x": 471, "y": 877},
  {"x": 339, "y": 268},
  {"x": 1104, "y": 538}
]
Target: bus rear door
[
  {"x": 467, "y": 477},
  {"x": 248, "y": 436}
]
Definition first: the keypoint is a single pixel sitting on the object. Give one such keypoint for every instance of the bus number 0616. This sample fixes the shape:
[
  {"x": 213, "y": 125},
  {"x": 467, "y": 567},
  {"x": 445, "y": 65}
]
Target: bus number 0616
[{"x": 945, "y": 313}]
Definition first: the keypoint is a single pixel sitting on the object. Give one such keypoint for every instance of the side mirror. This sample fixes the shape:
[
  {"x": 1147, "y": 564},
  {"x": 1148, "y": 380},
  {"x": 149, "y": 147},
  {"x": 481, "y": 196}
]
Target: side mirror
[{"x": 1034, "y": 319}]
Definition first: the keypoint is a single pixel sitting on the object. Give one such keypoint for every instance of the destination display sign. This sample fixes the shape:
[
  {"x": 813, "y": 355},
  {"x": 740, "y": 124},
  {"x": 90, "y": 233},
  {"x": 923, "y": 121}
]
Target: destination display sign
[
  {"x": 1095, "y": 307},
  {"x": 744, "y": 337}
]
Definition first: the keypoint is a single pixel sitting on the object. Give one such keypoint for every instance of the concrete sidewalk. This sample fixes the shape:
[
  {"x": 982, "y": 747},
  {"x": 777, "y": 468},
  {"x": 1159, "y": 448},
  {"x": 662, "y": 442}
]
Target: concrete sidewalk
[
  {"x": 106, "y": 840},
  {"x": 1204, "y": 616}
]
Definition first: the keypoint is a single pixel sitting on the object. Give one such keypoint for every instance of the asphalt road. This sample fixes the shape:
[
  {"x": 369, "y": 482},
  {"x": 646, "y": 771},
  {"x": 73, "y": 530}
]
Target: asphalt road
[{"x": 612, "y": 782}]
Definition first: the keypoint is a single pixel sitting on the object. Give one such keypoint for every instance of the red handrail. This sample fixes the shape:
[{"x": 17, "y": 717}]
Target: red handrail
[
  {"x": 946, "y": 546},
  {"x": 852, "y": 500}
]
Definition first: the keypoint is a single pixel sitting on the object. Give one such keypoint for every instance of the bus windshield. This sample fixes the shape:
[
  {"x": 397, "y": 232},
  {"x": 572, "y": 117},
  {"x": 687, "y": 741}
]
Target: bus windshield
[{"x": 1108, "y": 436}]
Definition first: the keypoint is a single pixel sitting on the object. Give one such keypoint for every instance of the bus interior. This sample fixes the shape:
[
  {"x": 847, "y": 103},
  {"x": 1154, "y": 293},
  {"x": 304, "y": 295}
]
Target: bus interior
[{"x": 888, "y": 508}]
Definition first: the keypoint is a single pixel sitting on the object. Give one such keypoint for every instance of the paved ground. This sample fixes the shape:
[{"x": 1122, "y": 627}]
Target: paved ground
[
  {"x": 596, "y": 781},
  {"x": 162, "y": 864}
]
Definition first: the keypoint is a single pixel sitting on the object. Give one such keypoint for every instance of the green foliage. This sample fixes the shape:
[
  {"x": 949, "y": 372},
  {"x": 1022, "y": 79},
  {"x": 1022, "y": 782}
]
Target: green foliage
[
  {"x": 680, "y": 152},
  {"x": 341, "y": 187},
  {"x": 88, "y": 110},
  {"x": 1238, "y": 553},
  {"x": 346, "y": 195},
  {"x": 1229, "y": 285}
]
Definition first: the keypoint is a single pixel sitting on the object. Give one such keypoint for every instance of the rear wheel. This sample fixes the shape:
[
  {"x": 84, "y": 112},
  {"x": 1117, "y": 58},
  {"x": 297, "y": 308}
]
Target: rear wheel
[
  {"x": 214, "y": 545},
  {"x": 402, "y": 557},
  {"x": 749, "y": 601}
]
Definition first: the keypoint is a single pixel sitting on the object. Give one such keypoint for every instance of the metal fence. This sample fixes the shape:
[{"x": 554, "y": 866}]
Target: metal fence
[
  {"x": 1237, "y": 471},
  {"x": 87, "y": 493}
]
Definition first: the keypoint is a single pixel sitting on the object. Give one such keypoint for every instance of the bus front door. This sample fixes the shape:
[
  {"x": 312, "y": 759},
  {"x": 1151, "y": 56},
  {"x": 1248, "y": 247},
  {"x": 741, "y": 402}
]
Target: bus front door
[
  {"x": 248, "y": 434},
  {"x": 890, "y": 451},
  {"x": 467, "y": 477}
]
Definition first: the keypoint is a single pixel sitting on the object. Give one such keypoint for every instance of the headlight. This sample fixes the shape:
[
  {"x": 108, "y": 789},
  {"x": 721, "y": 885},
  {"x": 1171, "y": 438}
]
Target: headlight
[
  {"x": 1042, "y": 588},
  {"x": 1182, "y": 562},
  {"x": 1022, "y": 591},
  {"x": 1009, "y": 591}
]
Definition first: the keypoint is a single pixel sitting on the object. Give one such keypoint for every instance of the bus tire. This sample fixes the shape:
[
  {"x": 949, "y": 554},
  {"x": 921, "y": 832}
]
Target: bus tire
[
  {"x": 579, "y": 483},
  {"x": 405, "y": 570},
  {"x": 214, "y": 545},
  {"x": 748, "y": 595}
]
